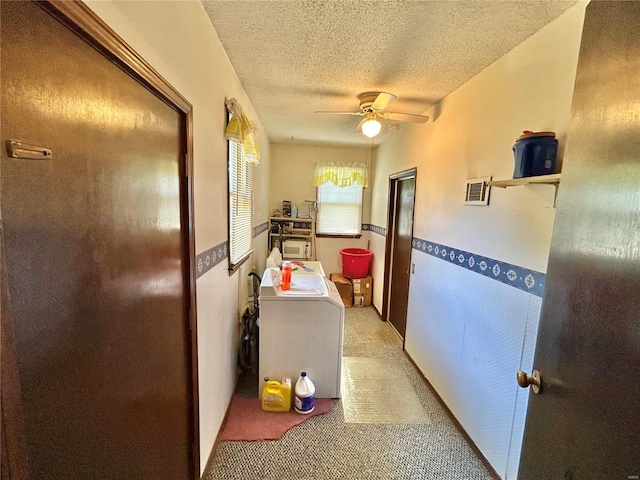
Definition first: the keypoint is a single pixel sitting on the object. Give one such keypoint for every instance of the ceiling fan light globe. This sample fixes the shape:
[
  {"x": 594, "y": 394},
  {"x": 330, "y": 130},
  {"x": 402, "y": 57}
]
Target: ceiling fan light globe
[{"x": 371, "y": 128}]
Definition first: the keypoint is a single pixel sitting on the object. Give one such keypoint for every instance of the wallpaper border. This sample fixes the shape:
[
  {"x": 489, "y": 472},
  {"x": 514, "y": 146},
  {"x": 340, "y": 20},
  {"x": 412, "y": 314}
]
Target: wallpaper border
[
  {"x": 375, "y": 229},
  {"x": 518, "y": 277},
  {"x": 208, "y": 259},
  {"x": 258, "y": 229}
]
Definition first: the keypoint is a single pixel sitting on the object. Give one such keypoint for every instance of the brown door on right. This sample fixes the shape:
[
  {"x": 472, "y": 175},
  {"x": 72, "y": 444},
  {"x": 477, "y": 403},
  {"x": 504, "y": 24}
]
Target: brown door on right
[
  {"x": 402, "y": 233},
  {"x": 585, "y": 422}
]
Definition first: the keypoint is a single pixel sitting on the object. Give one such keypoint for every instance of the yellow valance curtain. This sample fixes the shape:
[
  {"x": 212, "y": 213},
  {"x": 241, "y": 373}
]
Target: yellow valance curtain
[
  {"x": 341, "y": 174},
  {"x": 242, "y": 130}
]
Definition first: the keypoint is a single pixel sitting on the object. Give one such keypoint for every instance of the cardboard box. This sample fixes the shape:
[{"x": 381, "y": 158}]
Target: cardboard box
[
  {"x": 358, "y": 300},
  {"x": 345, "y": 289},
  {"x": 363, "y": 287}
]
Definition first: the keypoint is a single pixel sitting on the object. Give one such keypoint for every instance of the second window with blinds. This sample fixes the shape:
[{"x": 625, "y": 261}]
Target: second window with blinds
[
  {"x": 240, "y": 206},
  {"x": 339, "y": 210}
]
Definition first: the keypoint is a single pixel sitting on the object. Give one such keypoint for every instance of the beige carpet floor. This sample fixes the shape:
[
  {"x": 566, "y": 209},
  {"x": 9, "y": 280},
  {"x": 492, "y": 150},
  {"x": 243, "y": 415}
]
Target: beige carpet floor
[
  {"x": 361, "y": 439},
  {"x": 377, "y": 391}
]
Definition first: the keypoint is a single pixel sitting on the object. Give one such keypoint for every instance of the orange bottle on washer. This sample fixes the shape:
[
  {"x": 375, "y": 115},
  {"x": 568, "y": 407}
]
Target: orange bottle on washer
[{"x": 286, "y": 276}]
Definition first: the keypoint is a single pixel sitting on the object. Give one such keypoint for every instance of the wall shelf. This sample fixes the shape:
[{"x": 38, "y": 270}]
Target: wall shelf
[
  {"x": 292, "y": 235},
  {"x": 293, "y": 232},
  {"x": 514, "y": 182},
  {"x": 553, "y": 179}
]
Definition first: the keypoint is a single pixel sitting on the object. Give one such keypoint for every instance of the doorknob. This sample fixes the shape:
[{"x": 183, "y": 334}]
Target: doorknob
[{"x": 533, "y": 381}]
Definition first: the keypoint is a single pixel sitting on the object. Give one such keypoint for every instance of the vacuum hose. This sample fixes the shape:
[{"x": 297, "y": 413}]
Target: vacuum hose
[{"x": 248, "y": 351}]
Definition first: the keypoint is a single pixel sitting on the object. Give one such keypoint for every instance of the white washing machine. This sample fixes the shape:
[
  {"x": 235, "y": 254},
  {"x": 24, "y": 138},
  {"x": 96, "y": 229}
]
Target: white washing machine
[{"x": 301, "y": 330}]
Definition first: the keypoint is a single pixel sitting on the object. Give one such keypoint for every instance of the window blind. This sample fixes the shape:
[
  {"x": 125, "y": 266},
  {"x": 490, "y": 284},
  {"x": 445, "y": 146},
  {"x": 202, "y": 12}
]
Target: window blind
[
  {"x": 240, "y": 204},
  {"x": 339, "y": 209}
]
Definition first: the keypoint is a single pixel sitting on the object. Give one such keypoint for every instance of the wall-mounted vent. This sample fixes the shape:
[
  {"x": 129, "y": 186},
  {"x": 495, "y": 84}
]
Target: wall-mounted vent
[{"x": 477, "y": 192}]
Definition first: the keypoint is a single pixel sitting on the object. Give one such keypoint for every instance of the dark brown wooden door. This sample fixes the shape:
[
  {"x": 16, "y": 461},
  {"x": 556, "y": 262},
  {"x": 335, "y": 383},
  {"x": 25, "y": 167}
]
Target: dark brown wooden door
[
  {"x": 585, "y": 422},
  {"x": 405, "y": 190},
  {"x": 95, "y": 261}
]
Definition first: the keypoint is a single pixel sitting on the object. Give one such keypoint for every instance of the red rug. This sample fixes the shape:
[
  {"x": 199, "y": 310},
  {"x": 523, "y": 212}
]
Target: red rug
[{"x": 247, "y": 421}]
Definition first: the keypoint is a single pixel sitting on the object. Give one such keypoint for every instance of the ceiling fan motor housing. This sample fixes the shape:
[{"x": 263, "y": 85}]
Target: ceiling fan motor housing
[
  {"x": 366, "y": 100},
  {"x": 373, "y": 105}
]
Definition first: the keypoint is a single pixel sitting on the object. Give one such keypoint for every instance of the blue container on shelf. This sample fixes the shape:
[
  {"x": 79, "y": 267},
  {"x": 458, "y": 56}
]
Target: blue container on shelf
[{"x": 535, "y": 154}]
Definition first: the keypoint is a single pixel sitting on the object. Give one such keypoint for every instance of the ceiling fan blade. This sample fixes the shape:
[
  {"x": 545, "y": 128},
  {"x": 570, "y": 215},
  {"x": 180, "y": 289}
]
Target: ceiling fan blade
[
  {"x": 359, "y": 127},
  {"x": 339, "y": 113},
  {"x": 404, "y": 117},
  {"x": 383, "y": 101}
]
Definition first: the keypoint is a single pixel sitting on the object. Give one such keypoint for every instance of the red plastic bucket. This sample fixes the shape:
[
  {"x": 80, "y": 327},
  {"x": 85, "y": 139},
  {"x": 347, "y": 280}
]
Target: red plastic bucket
[{"x": 355, "y": 262}]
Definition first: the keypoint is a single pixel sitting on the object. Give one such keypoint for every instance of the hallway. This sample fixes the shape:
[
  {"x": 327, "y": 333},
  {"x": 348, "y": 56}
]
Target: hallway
[{"x": 388, "y": 425}]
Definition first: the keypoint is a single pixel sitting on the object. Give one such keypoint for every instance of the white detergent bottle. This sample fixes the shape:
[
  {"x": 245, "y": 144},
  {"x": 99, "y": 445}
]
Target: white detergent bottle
[{"x": 305, "y": 395}]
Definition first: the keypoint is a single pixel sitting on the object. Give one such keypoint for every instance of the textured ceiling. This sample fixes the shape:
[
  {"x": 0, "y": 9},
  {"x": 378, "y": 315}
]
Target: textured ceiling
[{"x": 295, "y": 57}]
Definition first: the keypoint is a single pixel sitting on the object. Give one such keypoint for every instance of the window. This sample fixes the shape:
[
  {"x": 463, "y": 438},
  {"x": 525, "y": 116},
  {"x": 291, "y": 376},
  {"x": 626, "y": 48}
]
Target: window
[
  {"x": 240, "y": 205},
  {"x": 339, "y": 209}
]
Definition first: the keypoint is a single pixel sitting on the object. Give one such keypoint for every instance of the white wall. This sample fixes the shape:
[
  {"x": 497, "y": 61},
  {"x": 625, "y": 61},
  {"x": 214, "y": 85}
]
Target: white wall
[
  {"x": 292, "y": 170},
  {"x": 177, "y": 39},
  {"x": 467, "y": 332}
]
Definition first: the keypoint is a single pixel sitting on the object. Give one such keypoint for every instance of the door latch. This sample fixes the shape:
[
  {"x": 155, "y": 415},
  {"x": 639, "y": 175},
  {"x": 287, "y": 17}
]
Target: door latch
[{"x": 17, "y": 149}]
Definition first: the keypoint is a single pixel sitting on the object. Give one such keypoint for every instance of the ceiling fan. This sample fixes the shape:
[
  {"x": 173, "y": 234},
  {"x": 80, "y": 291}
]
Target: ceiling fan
[{"x": 372, "y": 105}]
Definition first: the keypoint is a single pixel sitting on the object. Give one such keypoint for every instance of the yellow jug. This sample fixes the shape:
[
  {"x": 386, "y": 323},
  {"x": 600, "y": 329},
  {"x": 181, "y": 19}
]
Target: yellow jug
[{"x": 276, "y": 396}]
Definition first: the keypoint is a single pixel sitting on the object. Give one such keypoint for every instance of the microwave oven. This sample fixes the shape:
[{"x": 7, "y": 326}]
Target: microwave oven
[{"x": 300, "y": 249}]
